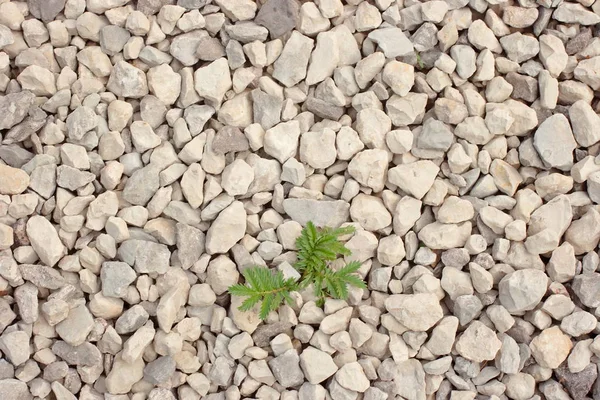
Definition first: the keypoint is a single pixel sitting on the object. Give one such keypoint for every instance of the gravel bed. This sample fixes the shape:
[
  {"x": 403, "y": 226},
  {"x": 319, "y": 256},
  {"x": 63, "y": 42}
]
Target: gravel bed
[{"x": 151, "y": 150}]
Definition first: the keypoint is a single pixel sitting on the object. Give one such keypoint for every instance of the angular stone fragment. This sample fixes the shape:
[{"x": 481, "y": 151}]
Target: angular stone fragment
[
  {"x": 392, "y": 41},
  {"x": 14, "y": 108},
  {"x": 124, "y": 375},
  {"x": 212, "y": 81},
  {"x": 587, "y": 288},
  {"x": 227, "y": 229},
  {"x": 584, "y": 121},
  {"x": 575, "y": 13},
  {"x": 42, "y": 276},
  {"x": 145, "y": 256},
  {"x": 278, "y": 16},
  {"x": 418, "y": 312},
  {"x": 15, "y": 345},
  {"x": 369, "y": 168},
  {"x": 321, "y": 213},
  {"x": 14, "y": 389},
  {"x": 316, "y": 365},
  {"x": 551, "y": 347},
  {"x": 352, "y": 377},
  {"x": 45, "y": 240},
  {"x": 410, "y": 380},
  {"x": 522, "y": 290},
  {"x": 587, "y": 71},
  {"x": 116, "y": 277},
  {"x": 286, "y": 369},
  {"x": 324, "y": 58},
  {"x": 555, "y": 143},
  {"x": 81, "y": 121},
  {"x": 415, "y": 178},
  {"x": 159, "y": 370},
  {"x": 478, "y": 343},
  {"x": 142, "y": 185},
  {"x": 440, "y": 236},
  {"x": 290, "y": 67},
  {"x": 12, "y": 180},
  {"x": 85, "y": 354},
  {"x": 76, "y": 327},
  {"x": 127, "y": 81},
  {"x": 190, "y": 244}
]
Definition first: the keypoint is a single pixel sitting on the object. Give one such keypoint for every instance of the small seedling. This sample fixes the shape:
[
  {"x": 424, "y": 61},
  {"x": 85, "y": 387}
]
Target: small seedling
[{"x": 316, "y": 248}]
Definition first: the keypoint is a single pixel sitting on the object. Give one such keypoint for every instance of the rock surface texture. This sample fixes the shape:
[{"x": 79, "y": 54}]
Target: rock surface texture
[{"x": 151, "y": 150}]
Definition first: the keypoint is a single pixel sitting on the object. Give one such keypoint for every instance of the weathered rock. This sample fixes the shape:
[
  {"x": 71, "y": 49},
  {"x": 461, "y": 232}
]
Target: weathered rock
[
  {"x": 321, "y": 213},
  {"x": 45, "y": 240},
  {"x": 551, "y": 347},
  {"x": 418, "y": 312}
]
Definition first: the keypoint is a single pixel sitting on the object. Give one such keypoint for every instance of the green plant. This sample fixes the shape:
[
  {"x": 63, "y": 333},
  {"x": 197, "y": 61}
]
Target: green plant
[
  {"x": 419, "y": 60},
  {"x": 316, "y": 248}
]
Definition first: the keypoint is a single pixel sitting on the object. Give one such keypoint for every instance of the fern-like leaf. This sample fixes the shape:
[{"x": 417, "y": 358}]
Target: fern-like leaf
[
  {"x": 264, "y": 285},
  {"x": 316, "y": 247},
  {"x": 337, "y": 282}
]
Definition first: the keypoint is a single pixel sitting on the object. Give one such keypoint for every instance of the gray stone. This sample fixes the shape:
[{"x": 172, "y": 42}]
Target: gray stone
[
  {"x": 286, "y": 369},
  {"x": 116, "y": 277},
  {"x": 85, "y": 354},
  {"x": 190, "y": 244},
  {"x": 587, "y": 288},
  {"x": 278, "y": 16},
  {"x": 578, "y": 384},
  {"x": 142, "y": 185},
  {"x": 160, "y": 370},
  {"x": 14, "y": 389},
  {"x": 76, "y": 327},
  {"x": 145, "y": 256},
  {"x": 42, "y": 276}
]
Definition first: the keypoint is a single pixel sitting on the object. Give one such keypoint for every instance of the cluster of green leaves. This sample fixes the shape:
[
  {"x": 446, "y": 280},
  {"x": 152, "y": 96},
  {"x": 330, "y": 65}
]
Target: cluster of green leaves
[{"x": 316, "y": 248}]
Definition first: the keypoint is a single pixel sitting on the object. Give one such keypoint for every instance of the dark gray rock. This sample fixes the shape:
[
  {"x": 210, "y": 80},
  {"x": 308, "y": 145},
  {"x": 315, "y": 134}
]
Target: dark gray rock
[
  {"x": 579, "y": 384},
  {"x": 151, "y": 7},
  {"x": 159, "y": 370},
  {"x": 46, "y": 10},
  {"x": 192, "y": 4},
  {"x": 524, "y": 87},
  {"x": 579, "y": 42},
  {"x": 278, "y": 16},
  {"x": 14, "y": 155},
  {"x": 229, "y": 138},
  {"x": 85, "y": 354},
  {"x": 286, "y": 369},
  {"x": 263, "y": 334},
  {"x": 323, "y": 109}
]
